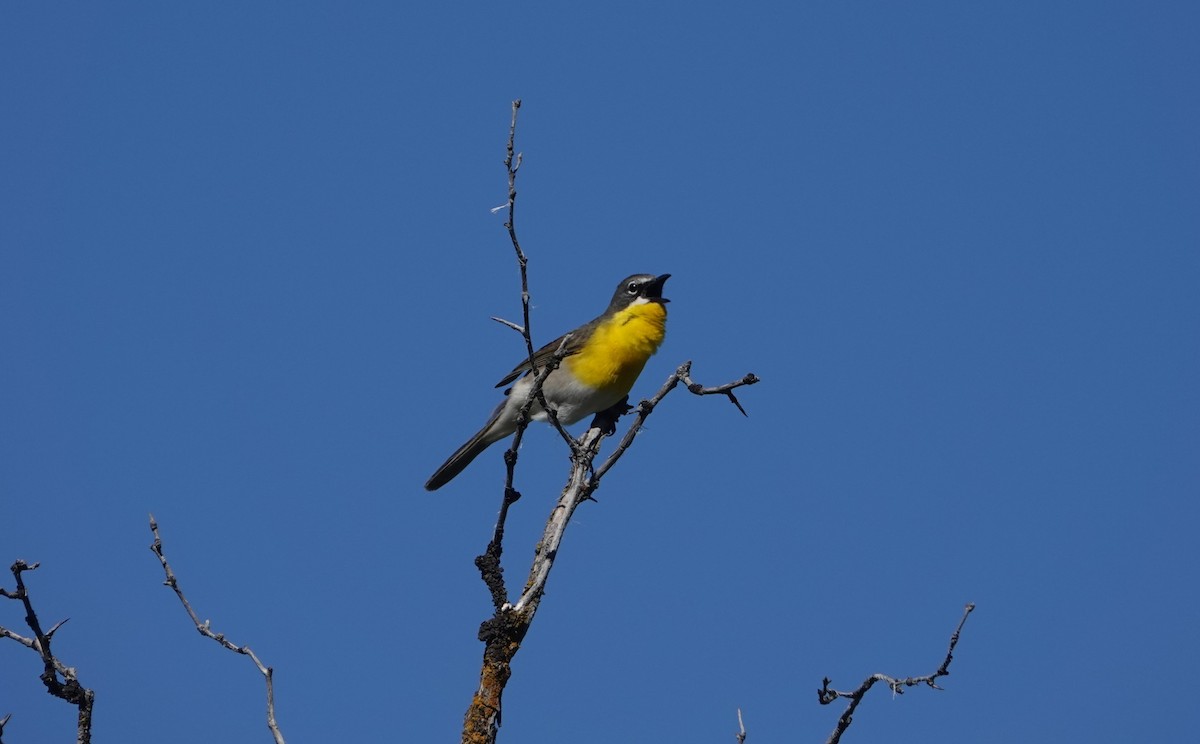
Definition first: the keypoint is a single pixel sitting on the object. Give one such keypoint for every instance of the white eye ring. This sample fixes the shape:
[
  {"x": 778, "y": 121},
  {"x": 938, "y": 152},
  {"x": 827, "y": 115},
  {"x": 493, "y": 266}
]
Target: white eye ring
[{"x": 632, "y": 288}]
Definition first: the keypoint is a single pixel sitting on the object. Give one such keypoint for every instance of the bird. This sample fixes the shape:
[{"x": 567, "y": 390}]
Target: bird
[{"x": 601, "y": 360}]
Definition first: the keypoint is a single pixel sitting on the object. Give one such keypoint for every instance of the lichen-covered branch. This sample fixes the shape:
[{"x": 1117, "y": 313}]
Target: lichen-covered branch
[{"x": 60, "y": 680}]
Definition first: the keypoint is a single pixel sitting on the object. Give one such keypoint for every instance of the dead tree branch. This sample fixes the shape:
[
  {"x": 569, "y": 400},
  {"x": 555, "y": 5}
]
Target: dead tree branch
[
  {"x": 488, "y": 562},
  {"x": 206, "y": 630},
  {"x": 512, "y": 163},
  {"x": 60, "y": 680},
  {"x": 504, "y": 632},
  {"x": 827, "y": 695},
  {"x": 646, "y": 407}
]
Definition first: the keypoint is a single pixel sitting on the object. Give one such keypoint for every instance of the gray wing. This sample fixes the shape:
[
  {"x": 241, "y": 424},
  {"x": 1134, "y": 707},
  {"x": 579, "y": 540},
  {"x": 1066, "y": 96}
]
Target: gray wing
[{"x": 544, "y": 354}]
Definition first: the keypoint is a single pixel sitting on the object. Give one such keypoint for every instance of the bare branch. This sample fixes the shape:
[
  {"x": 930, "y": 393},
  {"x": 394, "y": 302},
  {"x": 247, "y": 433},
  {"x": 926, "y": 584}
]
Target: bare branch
[
  {"x": 741, "y": 734},
  {"x": 575, "y": 493},
  {"x": 726, "y": 389},
  {"x": 489, "y": 562},
  {"x": 206, "y": 630},
  {"x": 50, "y": 633},
  {"x": 646, "y": 407},
  {"x": 510, "y": 324},
  {"x": 512, "y": 165},
  {"x": 584, "y": 480},
  {"x": 503, "y": 633},
  {"x": 26, "y": 642},
  {"x": 68, "y": 687},
  {"x": 827, "y": 695}
]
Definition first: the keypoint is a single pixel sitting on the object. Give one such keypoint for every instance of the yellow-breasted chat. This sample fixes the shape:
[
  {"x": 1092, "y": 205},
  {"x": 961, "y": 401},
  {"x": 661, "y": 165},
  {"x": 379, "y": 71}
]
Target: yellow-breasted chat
[{"x": 601, "y": 360}]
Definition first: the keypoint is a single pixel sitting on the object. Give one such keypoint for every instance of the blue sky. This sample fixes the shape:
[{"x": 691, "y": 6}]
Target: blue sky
[{"x": 246, "y": 268}]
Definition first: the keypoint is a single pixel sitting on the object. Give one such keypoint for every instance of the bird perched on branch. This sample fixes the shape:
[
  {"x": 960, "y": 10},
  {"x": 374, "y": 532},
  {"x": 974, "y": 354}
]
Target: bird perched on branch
[{"x": 600, "y": 362}]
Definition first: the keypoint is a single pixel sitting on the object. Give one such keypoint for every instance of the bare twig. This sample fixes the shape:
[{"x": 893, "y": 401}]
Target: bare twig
[
  {"x": 512, "y": 163},
  {"x": 741, "y": 734},
  {"x": 510, "y": 324},
  {"x": 206, "y": 630},
  {"x": 727, "y": 389},
  {"x": 488, "y": 562},
  {"x": 646, "y": 407},
  {"x": 483, "y": 715},
  {"x": 827, "y": 694},
  {"x": 68, "y": 687}
]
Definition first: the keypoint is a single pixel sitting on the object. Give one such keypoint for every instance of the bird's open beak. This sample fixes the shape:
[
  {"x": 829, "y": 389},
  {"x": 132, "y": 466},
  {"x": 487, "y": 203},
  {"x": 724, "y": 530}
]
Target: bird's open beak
[{"x": 654, "y": 289}]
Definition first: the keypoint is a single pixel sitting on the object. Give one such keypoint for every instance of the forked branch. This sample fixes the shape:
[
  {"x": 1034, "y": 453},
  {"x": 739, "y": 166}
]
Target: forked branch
[
  {"x": 504, "y": 632},
  {"x": 60, "y": 680}
]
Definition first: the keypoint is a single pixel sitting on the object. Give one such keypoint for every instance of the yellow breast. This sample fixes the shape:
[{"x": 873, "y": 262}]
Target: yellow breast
[{"x": 618, "y": 349}]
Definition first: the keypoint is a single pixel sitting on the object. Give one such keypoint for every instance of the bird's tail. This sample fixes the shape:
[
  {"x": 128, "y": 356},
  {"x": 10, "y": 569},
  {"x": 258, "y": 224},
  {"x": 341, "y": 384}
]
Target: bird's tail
[{"x": 463, "y": 455}]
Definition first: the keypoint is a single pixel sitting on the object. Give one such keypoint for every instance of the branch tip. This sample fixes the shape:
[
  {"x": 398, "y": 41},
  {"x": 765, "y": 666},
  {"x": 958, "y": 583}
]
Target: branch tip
[
  {"x": 826, "y": 694},
  {"x": 205, "y": 629}
]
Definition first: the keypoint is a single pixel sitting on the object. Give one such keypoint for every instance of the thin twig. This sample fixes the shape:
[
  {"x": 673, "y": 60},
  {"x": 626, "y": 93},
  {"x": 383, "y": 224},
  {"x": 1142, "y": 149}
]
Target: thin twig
[
  {"x": 69, "y": 687},
  {"x": 827, "y": 695},
  {"x": 488, "y": 562},
  {"x": 727, "y": 389},
  {"x": 206, "y": 630},
  {"x": 646, "y": 407},
  {"x": 512, "y": 163},
  {"x": 510, "y": 324},
  {"x": 741, "y": 734}
]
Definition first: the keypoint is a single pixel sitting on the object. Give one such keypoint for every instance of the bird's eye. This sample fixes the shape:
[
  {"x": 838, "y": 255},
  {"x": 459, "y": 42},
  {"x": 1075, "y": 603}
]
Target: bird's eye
[{"x": 632, "y": 288}]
